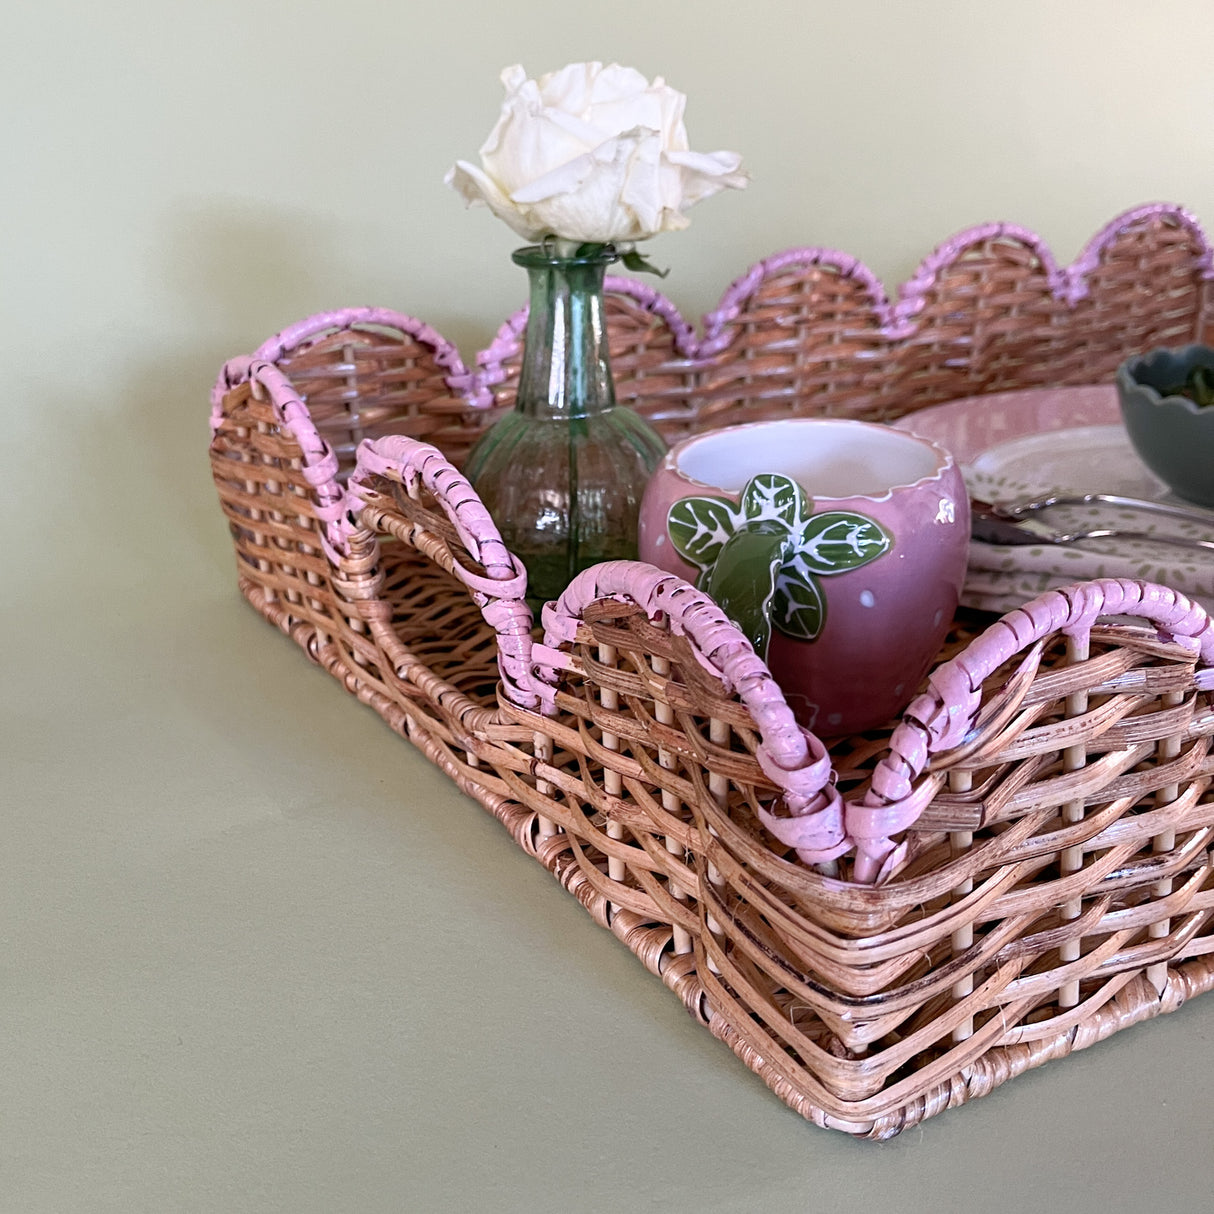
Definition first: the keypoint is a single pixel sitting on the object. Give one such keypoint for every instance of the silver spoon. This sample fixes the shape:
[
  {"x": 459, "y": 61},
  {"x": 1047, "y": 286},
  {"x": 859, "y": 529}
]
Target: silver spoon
[
  {"x": 1019, "y": 510},
  {"x": 993, "y": 528}
]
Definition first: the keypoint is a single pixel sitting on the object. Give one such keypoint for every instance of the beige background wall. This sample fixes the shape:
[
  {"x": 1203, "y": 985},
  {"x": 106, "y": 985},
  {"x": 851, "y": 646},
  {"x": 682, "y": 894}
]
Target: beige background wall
[{"x": 255, "y": 954}]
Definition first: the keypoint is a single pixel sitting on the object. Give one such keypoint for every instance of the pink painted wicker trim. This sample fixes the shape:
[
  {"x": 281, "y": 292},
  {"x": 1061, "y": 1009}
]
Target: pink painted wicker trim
[
  {"x": 790, "y": 756},
  {"x": 234, "y": 371},
  {"x": 657, "y": 304},
  {"x": 319, "y": 461},
  {"x": 320, "y": 464},
  {"x": 506, "y": 344},
  {"x": 940, "y": 718},
  {"x": 412, "y": 462},
  {"x": 895, "y": 321},
  {"x": 1089, "y": 256},
  {"x": 717, "y": 334},
  {"x": 501, "y": 594},
  {"x": 303, "y": 333}
]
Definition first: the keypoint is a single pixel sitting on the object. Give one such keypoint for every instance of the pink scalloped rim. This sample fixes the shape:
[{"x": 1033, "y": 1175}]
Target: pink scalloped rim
[{"x": 895, "y": 319}]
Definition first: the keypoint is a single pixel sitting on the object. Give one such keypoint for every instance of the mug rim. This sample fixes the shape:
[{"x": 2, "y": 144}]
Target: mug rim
[{"x": 944, "y": 457}]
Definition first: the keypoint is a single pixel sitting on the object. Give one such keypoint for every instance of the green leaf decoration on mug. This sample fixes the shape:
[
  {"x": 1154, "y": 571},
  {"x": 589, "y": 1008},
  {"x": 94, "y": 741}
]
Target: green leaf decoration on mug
[
  {"x": 839, "y": 540},
  {"x": 743, "y": 580},
  {"x": 775, "y": 498},
  {"x": 798, "y": 607},
  {"x": 699, "y": 527},
  {"x": 770, "y": 578}
]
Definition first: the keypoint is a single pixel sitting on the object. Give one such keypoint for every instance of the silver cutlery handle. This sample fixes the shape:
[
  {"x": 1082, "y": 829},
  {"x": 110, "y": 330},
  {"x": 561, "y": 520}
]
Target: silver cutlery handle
[
  {"x": 992, "y": 527},
  {"x": 1022, "y": 509},
  {"x": 1150, "y": 537}
]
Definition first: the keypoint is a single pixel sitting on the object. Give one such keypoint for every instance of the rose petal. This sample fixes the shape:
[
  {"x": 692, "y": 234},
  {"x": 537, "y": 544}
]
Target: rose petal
[
  {"x": 476, "y": 187},
  {"x": 571, "y": 88},
  {"x": 642, "y": 191},
  {"x": 613, "y": 82},
  {"x": 564, "y": 179},
  {"x": 592, "y": 153},
  {"x": 531, "y": 150},
  {"x": 703, "y": 174},
  {"x": 513, "y": 77},
  {"x": 591, "y": 207}
]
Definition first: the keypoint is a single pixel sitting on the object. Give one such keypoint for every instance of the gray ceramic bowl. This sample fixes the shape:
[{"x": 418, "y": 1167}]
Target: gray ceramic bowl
[{"x": 1173, "y": 435}]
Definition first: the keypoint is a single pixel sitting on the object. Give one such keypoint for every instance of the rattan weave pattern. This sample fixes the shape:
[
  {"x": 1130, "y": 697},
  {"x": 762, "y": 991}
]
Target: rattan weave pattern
[{"x": 1041, "y": 824}]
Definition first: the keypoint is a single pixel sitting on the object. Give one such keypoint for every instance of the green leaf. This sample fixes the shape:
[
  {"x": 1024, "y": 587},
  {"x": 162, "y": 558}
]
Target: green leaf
[
  {"x": 1201, "y": 386},
  {"x": 699, "y": 527},
  {"x": 743, "y": 581},
  {"x": 798, "y": 607},
  {"x": 1198, "y": 387},
  {"x": 771, "y": 496},
  {"x": 638, "y": 263},
  {"x": 839, "y": 540}
]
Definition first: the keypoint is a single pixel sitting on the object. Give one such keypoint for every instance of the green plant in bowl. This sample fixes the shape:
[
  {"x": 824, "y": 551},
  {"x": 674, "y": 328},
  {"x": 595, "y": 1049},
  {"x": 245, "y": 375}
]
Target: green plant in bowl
[
  {"x": 1198, "y": 386},
  {"x": 1167, "y": 404}
]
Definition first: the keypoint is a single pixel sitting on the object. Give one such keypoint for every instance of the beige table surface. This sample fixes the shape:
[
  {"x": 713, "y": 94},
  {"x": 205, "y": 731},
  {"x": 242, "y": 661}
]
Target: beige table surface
[{"x": 257, "y": 954}]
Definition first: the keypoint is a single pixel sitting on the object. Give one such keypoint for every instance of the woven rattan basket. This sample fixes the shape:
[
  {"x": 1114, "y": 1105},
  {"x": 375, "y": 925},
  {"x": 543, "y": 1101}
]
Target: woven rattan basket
[{"x": 1041, "y": 818}]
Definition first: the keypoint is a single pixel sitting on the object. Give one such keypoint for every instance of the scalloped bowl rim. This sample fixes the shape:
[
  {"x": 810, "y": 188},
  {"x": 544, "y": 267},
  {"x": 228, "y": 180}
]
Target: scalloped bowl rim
[{"x": 1127, "y": 377}]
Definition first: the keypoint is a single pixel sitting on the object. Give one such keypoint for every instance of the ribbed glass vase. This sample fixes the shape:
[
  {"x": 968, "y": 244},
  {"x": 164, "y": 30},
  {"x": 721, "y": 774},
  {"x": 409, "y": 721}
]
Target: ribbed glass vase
[{"x": 564, "y": 471}]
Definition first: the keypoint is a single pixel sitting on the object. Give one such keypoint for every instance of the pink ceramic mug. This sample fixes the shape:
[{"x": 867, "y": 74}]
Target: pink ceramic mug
[{"x": 838, "y": 546}]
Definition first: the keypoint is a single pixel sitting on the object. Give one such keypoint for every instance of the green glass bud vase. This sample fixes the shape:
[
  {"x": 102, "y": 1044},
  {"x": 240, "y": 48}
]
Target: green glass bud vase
[{"x": 564, "y": 471}]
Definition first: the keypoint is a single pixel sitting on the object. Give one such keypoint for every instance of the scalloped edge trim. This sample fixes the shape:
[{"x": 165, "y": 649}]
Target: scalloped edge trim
[{"x": 896, "y": 320}]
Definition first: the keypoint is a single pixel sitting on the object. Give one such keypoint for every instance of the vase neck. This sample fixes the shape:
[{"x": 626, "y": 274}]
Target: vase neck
[{"x": 566, "y": 369}]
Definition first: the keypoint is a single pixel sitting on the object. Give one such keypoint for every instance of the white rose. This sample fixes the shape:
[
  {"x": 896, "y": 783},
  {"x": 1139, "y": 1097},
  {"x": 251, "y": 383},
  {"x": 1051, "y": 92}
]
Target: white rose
[{"x": 594, "y": 154}]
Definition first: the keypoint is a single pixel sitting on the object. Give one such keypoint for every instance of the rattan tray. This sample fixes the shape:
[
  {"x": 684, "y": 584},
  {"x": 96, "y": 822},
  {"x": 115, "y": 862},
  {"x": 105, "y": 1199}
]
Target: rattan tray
[{"x": 1041, "y": 818}]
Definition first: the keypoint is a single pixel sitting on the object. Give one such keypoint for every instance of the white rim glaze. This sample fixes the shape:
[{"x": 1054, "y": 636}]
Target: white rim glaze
[{"x": 833, "y": 459}]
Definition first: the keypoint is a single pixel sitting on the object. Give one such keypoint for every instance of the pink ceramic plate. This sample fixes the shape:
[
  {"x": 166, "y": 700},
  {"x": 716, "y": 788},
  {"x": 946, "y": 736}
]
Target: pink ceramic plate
[
  {"x": 1010, "y": 445},
  {"x": 976, "y": 424}
]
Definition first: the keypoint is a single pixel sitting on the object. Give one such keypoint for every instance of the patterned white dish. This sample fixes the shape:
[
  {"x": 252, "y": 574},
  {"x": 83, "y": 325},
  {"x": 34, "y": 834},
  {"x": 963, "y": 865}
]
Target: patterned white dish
[{"x": 1086, "y": 459}]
